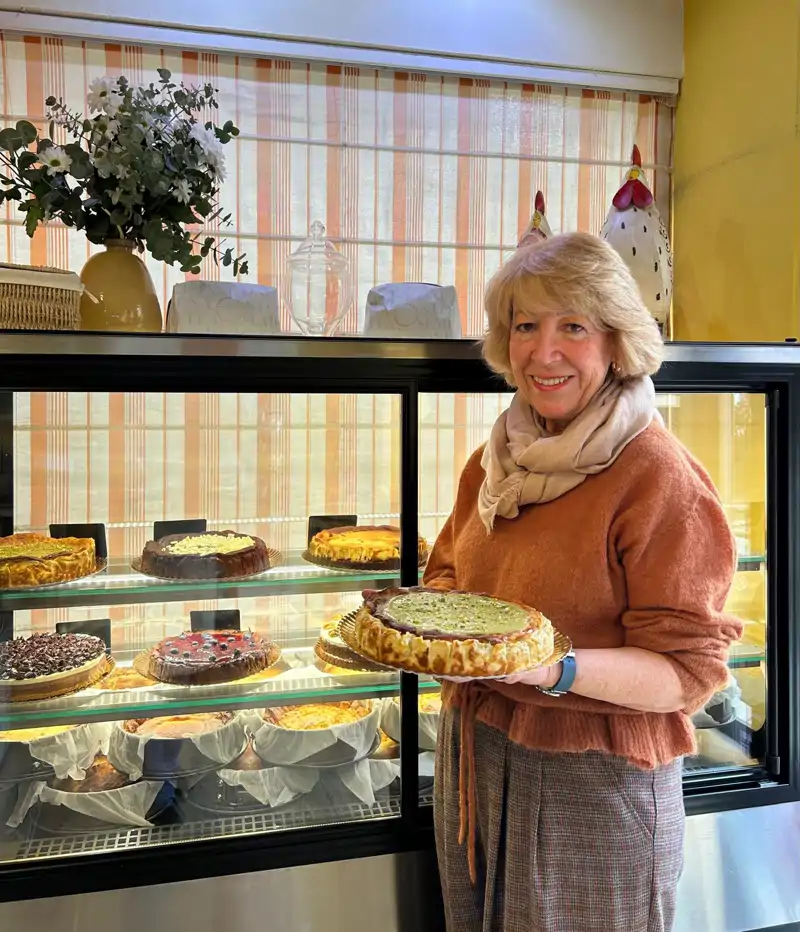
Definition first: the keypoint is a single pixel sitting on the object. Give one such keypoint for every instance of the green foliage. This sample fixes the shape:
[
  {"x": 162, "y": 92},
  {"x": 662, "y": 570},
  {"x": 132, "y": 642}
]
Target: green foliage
[{"x": 145, "y": 165}]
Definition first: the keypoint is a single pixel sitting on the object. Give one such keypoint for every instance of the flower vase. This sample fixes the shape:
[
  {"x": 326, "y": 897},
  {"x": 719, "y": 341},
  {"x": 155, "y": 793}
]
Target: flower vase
[{"x": 119, "y": 292}]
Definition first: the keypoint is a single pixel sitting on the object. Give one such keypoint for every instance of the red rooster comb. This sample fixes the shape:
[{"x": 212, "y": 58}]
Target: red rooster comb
[{"x": 633, "y": 193}]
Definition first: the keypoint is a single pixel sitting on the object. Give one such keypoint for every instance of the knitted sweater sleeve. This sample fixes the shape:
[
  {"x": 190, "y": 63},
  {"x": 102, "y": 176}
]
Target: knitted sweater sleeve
[
  {"x": 679, "y": 559},
  {"x": 440, "y": 572}
]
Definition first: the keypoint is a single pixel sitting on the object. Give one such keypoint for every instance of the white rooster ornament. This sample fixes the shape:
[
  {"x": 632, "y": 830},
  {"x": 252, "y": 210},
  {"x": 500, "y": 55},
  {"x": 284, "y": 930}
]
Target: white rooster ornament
[
  {"x": 538, "y": 228},
  {"x": 635, "y": 229}
]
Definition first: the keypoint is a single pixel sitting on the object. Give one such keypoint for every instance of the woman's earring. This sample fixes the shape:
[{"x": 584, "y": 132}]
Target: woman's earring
[{"x": 615, "y": 369}]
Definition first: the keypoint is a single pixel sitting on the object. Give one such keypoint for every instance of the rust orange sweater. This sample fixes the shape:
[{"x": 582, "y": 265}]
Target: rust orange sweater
[{"x": 641, "y": 555}]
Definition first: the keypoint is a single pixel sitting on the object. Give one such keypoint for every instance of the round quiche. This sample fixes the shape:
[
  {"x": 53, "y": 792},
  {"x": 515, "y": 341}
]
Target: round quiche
[
  {"x": 316, "y": 716},
  {"x": 369, "y": 547},
  {"x": 37, "y": 560},
  {"x": 451, "y": 633}
]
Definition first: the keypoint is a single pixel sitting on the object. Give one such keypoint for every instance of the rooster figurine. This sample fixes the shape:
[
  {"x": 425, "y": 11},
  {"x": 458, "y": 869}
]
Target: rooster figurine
[
  {"x": 538, "y": 228},
  {"x": 635, "y": 229}
]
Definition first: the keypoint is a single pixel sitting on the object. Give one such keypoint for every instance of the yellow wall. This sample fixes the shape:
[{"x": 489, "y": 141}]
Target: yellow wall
[{"x": 737, "y": 172}]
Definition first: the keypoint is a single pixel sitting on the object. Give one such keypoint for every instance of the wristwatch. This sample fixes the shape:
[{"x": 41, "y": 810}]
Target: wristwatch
[{"x": 567, "y": 678}]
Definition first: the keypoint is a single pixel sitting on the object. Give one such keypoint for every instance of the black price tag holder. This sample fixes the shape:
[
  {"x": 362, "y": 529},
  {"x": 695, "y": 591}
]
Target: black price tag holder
[
  {"x": 225, "y": 619},
  {"x": 96, "y": 531},
  {"x": 98, "y": 627},
  {"x": 187, "y": 526},
  {"x": 6, "y": 626},
  {"x": 317, "y": 523}
]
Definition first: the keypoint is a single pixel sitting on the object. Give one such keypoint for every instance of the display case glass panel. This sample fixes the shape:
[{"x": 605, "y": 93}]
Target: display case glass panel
[{"x": 147, "y": 752}]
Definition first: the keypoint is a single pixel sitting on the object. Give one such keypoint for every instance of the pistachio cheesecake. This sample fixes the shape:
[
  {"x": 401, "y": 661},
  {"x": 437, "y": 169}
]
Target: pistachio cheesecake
[
  {"x": 207, "y": 555},
  {"x": 37, "y": 560},
  {"x": 361, "y": 547},
  {"x": 451, "y": 633}
]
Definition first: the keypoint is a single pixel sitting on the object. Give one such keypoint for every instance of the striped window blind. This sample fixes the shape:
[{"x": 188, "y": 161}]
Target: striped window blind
[{"x": 417, "y": 177}]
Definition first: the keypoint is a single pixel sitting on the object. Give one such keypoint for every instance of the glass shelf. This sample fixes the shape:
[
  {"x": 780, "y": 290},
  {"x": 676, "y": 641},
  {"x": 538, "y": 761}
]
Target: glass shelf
[
  {"x": 299, "y": 681},
  {"x": 745, "y": 655},
  {"x": 120, "y": 584},
  {"x": 751, "y": 562}
]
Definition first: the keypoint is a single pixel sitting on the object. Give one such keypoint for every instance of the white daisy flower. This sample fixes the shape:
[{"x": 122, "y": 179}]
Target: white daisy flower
[
  {"x": 211, "y": 147},
  {"x": 104, "y": 96},
  {"x": 106, "y": 127},
  {"x": 182, "y": 191},
  {"x": 206, "y": 138},
  {"x": 56, "y": 160}
]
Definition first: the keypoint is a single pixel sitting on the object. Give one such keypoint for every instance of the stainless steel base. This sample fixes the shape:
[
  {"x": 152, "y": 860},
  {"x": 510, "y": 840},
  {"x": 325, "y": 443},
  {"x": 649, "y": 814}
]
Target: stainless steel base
[{"x": 742, "y": 874}]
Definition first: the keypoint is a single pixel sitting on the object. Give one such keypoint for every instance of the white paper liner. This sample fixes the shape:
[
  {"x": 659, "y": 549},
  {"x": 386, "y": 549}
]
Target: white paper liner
[
  {"x": 127, "y": 805},
  {"x": 366, "y": 777},
  {"x": 126, "y": 750},
  {"x": 71, "y": 752},
  {"x": 285, "y": 746},
  {"x": 273, "y": 786},
  {"x": 428, "y": 724},
  {"x": 427, "y": 764}
]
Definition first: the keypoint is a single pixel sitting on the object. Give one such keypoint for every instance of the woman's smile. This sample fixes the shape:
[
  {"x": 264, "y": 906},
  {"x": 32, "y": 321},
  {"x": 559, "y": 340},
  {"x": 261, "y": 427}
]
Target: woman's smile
[{"x": 551, "y": 383}]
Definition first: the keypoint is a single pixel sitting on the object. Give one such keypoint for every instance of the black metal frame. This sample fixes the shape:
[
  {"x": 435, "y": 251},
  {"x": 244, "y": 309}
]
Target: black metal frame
[{"x": 407, "y": 368}]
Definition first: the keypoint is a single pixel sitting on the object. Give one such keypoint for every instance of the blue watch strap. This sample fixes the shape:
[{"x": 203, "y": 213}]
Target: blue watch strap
[
  {"x": 568, "y": 671},
  {"x": 567, "y": 678}
]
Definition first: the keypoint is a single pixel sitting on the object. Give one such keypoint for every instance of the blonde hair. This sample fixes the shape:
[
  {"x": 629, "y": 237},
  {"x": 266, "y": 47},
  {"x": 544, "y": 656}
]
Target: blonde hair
[{"x": 580, "y": 273}]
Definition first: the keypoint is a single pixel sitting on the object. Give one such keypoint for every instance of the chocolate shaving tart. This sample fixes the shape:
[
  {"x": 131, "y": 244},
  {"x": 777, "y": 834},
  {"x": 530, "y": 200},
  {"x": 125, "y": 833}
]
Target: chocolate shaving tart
[
  {"x": 206, "y": 657},
  {"x": 45, "y": 665},
  {"x": 36, "y": 560},
  {"x": 208, "y": 555},
  {"x": 363, "y": 547},
  {"x": 452, "y": 633}
]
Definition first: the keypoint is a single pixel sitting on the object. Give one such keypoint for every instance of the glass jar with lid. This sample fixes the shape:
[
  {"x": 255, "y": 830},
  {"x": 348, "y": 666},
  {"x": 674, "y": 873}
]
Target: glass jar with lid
[{"x": 316, "y": 286}]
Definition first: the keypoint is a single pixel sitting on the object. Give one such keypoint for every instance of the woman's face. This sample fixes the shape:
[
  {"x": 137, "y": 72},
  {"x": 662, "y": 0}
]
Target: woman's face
[{"x": 559, "y": 360}]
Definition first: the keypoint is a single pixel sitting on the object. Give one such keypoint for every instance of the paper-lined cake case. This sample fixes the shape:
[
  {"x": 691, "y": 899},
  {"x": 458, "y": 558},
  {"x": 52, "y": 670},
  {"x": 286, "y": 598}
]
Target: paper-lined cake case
[
  {"x": 67, "y": 750},
  {"x": 325, "y": 734},
  {"x": 429, "y": 709},
  {"x": 175, "y": 746},
  {"x": 127, "y": 805}
]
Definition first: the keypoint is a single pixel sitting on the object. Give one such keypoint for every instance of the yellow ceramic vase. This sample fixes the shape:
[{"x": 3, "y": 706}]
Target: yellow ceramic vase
[{"x": 119, "y": 292}]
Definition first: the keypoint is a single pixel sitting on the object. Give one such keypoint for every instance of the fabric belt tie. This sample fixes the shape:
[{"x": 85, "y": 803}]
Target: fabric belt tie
[{"x": 470, "y": 697}]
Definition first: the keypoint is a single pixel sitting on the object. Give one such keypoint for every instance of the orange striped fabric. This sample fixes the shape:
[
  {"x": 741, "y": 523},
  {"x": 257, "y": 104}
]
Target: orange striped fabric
[{"x": 417, "y": 177}]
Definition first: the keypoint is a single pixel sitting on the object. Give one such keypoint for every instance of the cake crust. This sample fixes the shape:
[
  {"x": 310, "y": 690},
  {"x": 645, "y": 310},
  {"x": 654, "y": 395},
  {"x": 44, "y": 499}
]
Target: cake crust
[
  {"x": 38, "y": 560},
  {"x": 202, "y": 658},
  {"x": 207, "y": 555},
  {"x": 498, "y": 638},
  {"x": 361, "y": 547}
]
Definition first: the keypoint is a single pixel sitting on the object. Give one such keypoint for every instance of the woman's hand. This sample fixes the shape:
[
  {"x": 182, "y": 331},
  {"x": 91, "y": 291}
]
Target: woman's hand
[{"x": 541, "y": 676}]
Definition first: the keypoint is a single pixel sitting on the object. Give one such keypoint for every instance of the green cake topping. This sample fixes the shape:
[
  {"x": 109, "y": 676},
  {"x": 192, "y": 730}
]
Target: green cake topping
[{"x": 456, "y": 613}]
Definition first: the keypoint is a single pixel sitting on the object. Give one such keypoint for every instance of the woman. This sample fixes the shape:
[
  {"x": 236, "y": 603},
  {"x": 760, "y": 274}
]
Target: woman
[{"x": 558, "y": 802}]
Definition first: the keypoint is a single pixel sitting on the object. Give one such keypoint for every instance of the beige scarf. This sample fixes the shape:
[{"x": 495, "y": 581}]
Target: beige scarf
[{"x": 526, "y": 464}]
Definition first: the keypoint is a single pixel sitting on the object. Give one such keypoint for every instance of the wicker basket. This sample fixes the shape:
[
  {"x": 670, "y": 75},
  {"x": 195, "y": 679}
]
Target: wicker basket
[{"x": 37, "y": 298}]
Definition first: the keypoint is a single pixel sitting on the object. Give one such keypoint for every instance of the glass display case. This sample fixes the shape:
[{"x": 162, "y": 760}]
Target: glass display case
[{"x": 216, "y": 711}]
